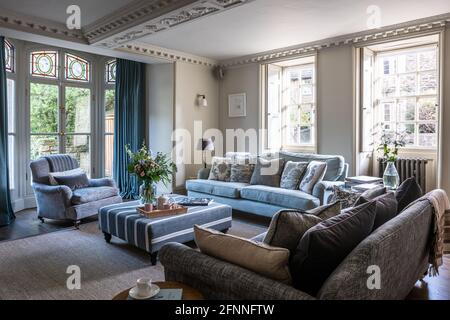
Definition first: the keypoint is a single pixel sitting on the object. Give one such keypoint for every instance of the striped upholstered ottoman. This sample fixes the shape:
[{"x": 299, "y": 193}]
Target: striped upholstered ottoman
[{"x": 122, "y": 220}]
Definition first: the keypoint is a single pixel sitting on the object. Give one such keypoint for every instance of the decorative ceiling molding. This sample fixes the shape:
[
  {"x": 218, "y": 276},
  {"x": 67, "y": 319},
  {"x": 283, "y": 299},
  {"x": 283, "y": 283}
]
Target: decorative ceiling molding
[
  {"x": 391, "y": 32},
  {"x": 169, "y": 55},
  {"x": 13, "y": 20},
  {"x": 144, "y": 18}
]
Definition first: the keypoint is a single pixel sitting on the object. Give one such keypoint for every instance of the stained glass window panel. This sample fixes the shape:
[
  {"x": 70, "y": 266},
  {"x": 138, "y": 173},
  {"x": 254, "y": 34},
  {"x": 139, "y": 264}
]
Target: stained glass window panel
[
  {"x": 77, "y": 69},
  {"x": 111, "y": 72},
  {"x": 44, "y": 64},
  {"x": 9, "y": 56}
]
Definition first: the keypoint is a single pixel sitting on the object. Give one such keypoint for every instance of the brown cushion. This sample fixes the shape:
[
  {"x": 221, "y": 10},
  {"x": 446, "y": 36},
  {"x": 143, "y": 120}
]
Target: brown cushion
[
  {"x": 260, "y": 258},
  {"x": 386, "y": 209},
  {"x": 371, "y": 194},
  {"x": 327, "y": 211}
]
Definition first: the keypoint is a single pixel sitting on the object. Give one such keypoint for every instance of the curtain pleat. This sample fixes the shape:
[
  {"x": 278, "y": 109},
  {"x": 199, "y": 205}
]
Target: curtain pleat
[
  {"x": 129, "y": 122},
  {"x": 6, "y": 211}
]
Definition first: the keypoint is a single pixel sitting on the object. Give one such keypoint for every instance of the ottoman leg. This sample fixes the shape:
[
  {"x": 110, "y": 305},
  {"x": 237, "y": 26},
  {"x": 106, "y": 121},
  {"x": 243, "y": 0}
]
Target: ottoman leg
[
  {"x": 154, "y": 258},
  {"x": 107, "y": 237}
]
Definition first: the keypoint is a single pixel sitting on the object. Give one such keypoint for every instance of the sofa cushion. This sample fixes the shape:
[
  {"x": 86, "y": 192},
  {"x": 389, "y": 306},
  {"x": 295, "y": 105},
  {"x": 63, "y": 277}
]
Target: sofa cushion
[
  {"x": 220, "y": 169},
  {"x": 326, "y": 211},
  {"x": 87, "y": 195},
  {"x": 267, "y": 172},
  {"x": 292, "y": 174},
  {"x": 242, "y": 172},
  {"x": 218, "y": 188},
  {"x": 314, "y": 174},
  {"x": 408, "y": 192},
  {"x": 327, "y": 244},
  {"x": 258, "y": 257},
  {"x": 371, "y": 194},
  {"x": 386, "y": 209},
  {"x": 53, "y": 175},
  {"x": 294, "y": 199},
  {"x": 77, "y": 181},
  {"x": 347, "y": 197}
]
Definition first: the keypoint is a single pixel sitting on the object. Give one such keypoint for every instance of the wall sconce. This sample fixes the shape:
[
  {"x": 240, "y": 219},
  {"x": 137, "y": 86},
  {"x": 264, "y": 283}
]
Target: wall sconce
[{"x": 202, "y": 102}]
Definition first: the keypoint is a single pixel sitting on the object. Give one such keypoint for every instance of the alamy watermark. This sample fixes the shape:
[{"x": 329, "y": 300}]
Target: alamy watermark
[
  {"x": 73, "y": 22},
  {"x": 73, "y": 282}
]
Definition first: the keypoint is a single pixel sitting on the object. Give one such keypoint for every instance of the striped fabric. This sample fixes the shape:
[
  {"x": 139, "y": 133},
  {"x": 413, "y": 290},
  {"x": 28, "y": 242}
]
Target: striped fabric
[
  {"x": 122, "y": 220},
  {"x": 61, "y": 162}
]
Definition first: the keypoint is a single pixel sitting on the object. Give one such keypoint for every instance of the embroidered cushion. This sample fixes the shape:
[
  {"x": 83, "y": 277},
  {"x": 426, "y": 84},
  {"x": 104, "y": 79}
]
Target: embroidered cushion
[
  {"x": 347, "y": 197},
  {"x": 220, "y": 169},
  {"x": 292, "y": 174},
  {"x": 241, "y": 172},
  {"x": 314, "y": 174}
]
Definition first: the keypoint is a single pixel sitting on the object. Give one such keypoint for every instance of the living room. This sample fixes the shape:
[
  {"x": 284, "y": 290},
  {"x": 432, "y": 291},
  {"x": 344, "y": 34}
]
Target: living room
[{"x": 201, "y": 149}]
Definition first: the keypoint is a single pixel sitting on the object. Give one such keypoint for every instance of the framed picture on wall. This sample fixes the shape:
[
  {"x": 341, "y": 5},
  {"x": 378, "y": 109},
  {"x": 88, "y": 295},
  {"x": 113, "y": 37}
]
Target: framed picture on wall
[{"x": 237, "y": 105}]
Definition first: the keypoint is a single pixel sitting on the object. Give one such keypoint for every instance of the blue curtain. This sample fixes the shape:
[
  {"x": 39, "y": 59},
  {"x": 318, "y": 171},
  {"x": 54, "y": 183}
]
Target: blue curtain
[
  {"x": 6, "y": 212},
  {"x": 129, "y": 122}
]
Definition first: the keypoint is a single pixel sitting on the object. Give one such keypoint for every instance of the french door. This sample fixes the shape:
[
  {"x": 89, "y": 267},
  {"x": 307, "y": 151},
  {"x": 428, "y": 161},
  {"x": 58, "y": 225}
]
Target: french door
[{"x": 60, "y": 121}]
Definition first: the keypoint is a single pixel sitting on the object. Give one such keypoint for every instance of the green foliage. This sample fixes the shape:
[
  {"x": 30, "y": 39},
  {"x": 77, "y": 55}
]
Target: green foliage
[{"x": 390, "y": 144}]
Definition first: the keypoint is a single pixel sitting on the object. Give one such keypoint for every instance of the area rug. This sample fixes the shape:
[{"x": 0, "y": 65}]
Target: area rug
[{"x": 36, "y": 267}]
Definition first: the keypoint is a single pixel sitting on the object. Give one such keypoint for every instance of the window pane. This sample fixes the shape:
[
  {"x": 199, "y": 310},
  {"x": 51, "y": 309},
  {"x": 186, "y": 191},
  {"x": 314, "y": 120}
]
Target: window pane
[
  {"x": 78, "y": 146},
  {"x": 77, "y": 69},
  {"x": 388, "y": 87},
  {"x": 408, "y": 85},
  {"x": 407, "y": 109},
  {"x": 388, "y": 111},
  {"x": 43, "y": 145},
  {"x": 44, "y": 64},
  {"x": 293, "y": 125},
  {"x": 43, "y": 108},
  {"x": 305, "y": 134},
  {"x": 109, "y": 153},
  {"x": 428, "y": 109},
  {"x": 409, "y": 130},
  {"x": 428, "y": 83},
  {"x": 78, "y": 110},
  {"x": 111, "y": 72},
  {"x": 428, "y": 140},
  {"x": 9, "y": 56},
  {"x": 11, "y": 153},
  {"x": 11, "y": 96},
  {"x": 389, "y": 65},
  {"x": 427, "y": 128},
  {"x": 407, "y": 62},
  {"x": 427, "y": 60},
  {"x": 109, "y": 110},
  {"x": 307, "y": 76}
]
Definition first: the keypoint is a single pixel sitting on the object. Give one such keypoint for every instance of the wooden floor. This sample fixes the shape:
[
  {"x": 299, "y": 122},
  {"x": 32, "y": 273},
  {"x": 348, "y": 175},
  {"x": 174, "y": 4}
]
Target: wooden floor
[{"x": 27, "y": 225}]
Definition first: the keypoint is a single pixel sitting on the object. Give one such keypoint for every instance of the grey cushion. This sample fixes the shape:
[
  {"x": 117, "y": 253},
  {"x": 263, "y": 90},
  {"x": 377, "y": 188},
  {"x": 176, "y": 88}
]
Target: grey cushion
[
  {"x": 386, "y": 209},
  {"x": 241, "y": 172},
  {"x": 347, "y": 197},
  {"x": 326, "y": 211},
  {"x": 314, "y": 174},
  {"x": 220, "y": 169},
  {"x": 77, "y": 181},
  {"x": 267, "y": 172},
  {"x": 292, "y": 174},
  {"x": 408, "y": 192},
  {"x": 294, "y": 199},
  {"x": 218, "y": 188},
  {"x": 325, "y": 246},
  {"x": 371, "y": 194},
  {"x": 288, "y": 227},
  {"x": 87, "y": 195}
]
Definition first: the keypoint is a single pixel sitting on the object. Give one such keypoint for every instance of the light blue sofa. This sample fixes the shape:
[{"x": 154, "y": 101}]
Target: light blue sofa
[{"x": 264, "y": 200}]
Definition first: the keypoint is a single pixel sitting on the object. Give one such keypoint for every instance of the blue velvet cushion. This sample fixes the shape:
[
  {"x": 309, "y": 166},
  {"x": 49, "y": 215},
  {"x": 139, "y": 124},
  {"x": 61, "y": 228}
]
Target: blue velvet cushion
[
  {"x": 286, "y": 198},
  {"x": 267, "y": 172},
  {"x": 87, "y": 195},
  {"x": 74, "y": 182},
  {"x": 218, "y": 188}
]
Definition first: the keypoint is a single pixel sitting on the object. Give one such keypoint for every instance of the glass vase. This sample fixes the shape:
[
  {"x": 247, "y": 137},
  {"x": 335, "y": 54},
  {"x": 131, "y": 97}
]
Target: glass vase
[
  {"x": 391, "y": 178},
  {"x": 147, "y": 192}
]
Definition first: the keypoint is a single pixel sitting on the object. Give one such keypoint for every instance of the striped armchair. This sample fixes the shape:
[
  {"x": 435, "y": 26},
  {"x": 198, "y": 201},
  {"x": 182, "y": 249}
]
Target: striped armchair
[{"x": 62, "y": 203}]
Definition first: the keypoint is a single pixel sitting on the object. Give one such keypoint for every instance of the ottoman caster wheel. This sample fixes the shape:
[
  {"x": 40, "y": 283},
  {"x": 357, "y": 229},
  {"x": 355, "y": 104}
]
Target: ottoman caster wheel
[
  {"x": 42, "y": 219},
  {"x": 154, "y": 258},
  {"x": 107, "y": 237},
  {"x": 76, "y": 224}
]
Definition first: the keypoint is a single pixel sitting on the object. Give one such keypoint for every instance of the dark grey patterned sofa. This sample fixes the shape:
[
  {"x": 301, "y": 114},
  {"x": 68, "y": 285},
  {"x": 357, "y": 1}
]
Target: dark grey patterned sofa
[
  {"x": 399, "y": 248},
  {"x": 62, "y": 203}
]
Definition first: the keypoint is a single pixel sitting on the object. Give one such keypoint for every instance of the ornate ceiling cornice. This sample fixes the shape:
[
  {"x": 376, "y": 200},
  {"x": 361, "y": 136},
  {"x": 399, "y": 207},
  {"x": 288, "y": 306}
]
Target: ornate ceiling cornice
[
  {"x": 169, "y": 55},
  {"x": 144, "y": 18},
  {"x": 12, "y": 20},
  {"x": 391, "y": 32}
]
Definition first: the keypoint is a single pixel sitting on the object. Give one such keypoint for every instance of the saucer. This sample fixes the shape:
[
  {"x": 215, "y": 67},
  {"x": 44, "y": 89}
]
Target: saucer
[{"x": 154, "y": 290}]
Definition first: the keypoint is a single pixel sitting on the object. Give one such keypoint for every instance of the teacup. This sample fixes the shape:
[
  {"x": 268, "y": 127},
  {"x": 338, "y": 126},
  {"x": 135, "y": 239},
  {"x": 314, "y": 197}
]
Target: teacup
[{"x": 144, "y": 286}]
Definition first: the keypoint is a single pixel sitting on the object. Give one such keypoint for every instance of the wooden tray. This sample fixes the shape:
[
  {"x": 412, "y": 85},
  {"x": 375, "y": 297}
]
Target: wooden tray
[{"x": 162, "y": 213}]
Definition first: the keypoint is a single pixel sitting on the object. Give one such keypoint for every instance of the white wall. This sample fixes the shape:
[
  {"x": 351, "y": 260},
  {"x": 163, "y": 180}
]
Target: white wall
[
  {"x": 160, "y": 110},
  {"x": 190, "y": 81}
]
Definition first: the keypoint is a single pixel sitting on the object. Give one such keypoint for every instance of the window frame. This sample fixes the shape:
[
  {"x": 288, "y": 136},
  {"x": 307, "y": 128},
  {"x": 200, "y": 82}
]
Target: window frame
[
  {"x": 11, "y": 75},
  {"x": 106, "y": 85}
]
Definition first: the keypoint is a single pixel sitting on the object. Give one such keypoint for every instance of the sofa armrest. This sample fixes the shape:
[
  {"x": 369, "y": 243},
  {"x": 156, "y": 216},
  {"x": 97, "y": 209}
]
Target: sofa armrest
[
  {"x": 203, "y": 174},
  {"x": 321, "y": 187},
  {"x": 220, "y": 280},
  {"x": 63, "y": 193},
  {"x": 103, "y": 182}
]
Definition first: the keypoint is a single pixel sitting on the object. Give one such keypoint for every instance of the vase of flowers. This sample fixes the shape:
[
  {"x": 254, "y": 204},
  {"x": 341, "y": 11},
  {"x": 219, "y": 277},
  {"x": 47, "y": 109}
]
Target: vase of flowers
[
  {"x": 390, "y": 145},
  {"x": 150, "y": 170}
]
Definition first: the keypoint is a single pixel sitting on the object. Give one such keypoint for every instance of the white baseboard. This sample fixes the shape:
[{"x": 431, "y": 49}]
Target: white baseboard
[{"x": 24, "y": 203}]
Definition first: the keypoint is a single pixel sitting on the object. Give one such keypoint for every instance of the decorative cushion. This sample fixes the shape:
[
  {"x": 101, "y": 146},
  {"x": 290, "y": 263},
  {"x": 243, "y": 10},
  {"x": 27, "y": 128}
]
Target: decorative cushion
[
  {"x": 314, "y": 174},
  {"x": 288, "y": 227},
  {"x": 73, "y": 182},
  {"x": 371, "y": 194},
  {"x": 408, "y": 192},
  {"x": 327, "y": 244},
  {"x": 347, "y": 197},
  {"x": 292, "y": 174},
  {"x": 326, "y": 211},
  {"x": 242, "y": 172},
  {"x": 52, "y": 175},
  {"x": 267, "y": 172},
  {"x": 268, "y": 261},
  {"x": 386, "y": 209},
  {"x": 220, "y": 169},
  {"x": 87, "y": 195}
]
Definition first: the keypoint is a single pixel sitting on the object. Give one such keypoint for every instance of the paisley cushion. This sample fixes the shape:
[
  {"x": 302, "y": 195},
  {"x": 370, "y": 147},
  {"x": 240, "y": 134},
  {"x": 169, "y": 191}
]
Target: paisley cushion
[{"x": 221, "y": 169}]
